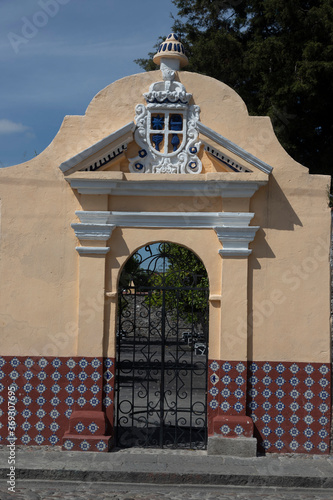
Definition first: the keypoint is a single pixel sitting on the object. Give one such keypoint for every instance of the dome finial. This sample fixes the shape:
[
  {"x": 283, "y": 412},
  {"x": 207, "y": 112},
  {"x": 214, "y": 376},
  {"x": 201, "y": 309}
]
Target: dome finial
[{"x": 171, "y": 52}]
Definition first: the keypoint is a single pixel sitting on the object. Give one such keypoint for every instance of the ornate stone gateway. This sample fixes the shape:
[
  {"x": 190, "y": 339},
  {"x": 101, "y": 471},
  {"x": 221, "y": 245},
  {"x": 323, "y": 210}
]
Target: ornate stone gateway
[
  {"x": 107, "y": 343},
  {"x": 162, "y": 346}
]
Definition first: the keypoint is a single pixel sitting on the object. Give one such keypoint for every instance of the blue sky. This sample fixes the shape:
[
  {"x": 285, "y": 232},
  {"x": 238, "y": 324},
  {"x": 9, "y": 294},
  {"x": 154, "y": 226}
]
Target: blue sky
[{"x": 55, "y": 55}]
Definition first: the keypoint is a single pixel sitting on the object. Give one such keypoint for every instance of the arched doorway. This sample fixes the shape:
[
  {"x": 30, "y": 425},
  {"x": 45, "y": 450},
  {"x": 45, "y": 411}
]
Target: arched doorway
[{"x": 162, "y": 349}]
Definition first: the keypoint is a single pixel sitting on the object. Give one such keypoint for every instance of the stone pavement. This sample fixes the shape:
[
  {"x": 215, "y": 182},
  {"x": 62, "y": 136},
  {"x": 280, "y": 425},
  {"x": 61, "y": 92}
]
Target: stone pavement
[
  {"x": 169, "y": 467},
  {"x": 55, "y": 490}
]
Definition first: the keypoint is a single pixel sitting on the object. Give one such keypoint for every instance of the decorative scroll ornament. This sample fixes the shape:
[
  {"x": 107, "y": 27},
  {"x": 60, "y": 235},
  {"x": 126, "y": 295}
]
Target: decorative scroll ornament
[{"x": 166, "y": 129}]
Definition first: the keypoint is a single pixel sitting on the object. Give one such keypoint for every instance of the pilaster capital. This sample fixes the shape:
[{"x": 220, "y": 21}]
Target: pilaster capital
[
  {"x": 236, "y": 240},
  {"x": 100, "y": 232},
  {"x": 92, "y": 250}
]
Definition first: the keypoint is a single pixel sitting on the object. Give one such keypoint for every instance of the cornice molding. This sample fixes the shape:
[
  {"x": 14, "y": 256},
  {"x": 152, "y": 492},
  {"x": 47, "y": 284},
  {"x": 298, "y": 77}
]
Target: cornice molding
[
  {"x": 233, "y": 148},
  {"x": 195, "y": 220},
  {"x": 225, "y": 159},
  {"x": 181, "y": 188},
  {"x": 114, "y": 144},
  {"x": 117, "y": 139},
  {"x": 232, "y": 228}
]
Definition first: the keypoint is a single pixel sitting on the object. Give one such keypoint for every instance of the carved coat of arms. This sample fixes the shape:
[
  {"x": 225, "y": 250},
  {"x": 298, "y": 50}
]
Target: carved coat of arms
[{"x": 166, "y": 130}]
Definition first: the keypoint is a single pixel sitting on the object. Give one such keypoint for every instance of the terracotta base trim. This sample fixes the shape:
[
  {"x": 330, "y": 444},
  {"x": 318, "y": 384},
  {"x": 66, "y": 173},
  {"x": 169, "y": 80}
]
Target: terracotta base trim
[
  {"x": 233, "y": 426},
  {"x": 72, "y": 442}
]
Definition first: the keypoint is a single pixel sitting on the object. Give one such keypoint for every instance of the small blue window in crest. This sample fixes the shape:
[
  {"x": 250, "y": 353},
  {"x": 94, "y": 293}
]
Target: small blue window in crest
[
  {"x": 176, "y": 122},
  {"x": 157, "y": 122},
  {"x": 157, "y": 139},
  {"x": 175, "y": 142}
]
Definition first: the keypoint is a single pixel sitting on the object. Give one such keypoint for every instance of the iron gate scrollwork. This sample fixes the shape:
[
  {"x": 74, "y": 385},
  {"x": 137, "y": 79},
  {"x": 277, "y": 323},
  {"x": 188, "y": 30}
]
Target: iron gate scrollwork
[{"x": 162, "y": 349}]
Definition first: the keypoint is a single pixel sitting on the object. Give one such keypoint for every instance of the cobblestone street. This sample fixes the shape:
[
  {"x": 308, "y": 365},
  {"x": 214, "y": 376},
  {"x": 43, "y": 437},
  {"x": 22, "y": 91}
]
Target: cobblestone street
[{"x": 51, "y": 490}]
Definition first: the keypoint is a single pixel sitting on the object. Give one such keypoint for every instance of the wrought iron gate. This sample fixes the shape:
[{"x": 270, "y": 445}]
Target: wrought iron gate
[{"x": 162, "y": 349}]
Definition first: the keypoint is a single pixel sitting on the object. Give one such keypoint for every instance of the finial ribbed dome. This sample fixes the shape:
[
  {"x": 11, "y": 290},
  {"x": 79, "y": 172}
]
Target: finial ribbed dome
[{"x": 171, "y": 48}]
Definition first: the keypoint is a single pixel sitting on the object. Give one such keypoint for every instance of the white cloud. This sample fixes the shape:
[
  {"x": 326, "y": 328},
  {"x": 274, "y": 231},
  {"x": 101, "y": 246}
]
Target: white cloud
[{"x": 9, "y": 127}]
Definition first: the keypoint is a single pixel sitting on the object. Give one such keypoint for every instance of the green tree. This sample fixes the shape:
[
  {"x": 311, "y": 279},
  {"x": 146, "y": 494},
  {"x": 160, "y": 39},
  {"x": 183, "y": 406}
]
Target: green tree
[
  {"x": 170, "y": 275},
  {"x": 133, "y": 274},
  {"x": 183, "y": 285},
  {"x": 278, "y": 55}
]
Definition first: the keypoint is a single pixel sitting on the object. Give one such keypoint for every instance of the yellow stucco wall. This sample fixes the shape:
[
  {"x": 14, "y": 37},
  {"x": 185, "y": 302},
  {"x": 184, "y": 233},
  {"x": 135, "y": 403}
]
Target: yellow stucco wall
[
  {"x": 38, "y": 261},
  {"x": 288, "y": 307},
  {"x": 289, "y": 268}
]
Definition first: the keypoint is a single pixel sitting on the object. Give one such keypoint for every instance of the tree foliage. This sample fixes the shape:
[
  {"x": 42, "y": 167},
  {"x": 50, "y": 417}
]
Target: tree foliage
[
  {"x": 183, "y": 286},
  {"x": 278, "y": 55},
  {"x": 133, "y": 274},
  {"x": 174, "y": 277}
]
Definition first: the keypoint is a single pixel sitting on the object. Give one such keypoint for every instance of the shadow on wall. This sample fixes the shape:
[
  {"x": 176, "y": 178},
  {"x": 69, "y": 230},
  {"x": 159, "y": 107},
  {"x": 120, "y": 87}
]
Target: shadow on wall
[
  {"x": 119, "y": 250},
  {"x": 272, "y": 211},
  {"x": 289, "y": 274},
  {"x": 281, "y": 214}
]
